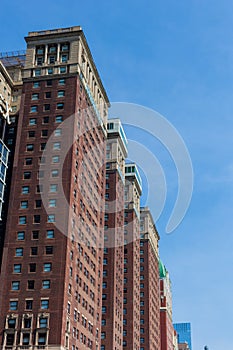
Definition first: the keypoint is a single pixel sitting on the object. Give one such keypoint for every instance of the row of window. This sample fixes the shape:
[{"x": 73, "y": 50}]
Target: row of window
[
  {"x": 56, "y": 146},
  {"x": 27, "y": 321},
  {"x": 47, "y": 267},
  {"x": 39, "y": 189},
  {"x": 45, "y": 120},
  {"x": 36, "y": 84},
  {"x": 61, "y": 70},
  {"x": 47, "y": 94},
  {"x": 52, "y": 59},
  {"x": 15, "y": 285},
  {"x": 13, "y": 306},
  {"x": 48, "y": 250},
  {"x": 46, "y": 107},
  {"x": 35, "y": 235},
  {"x": 52, "y": 203},
  {"x": 36, "y": 219}
]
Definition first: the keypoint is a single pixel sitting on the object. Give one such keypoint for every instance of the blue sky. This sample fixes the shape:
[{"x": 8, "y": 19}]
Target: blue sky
[{"x": 175, "y": 57}]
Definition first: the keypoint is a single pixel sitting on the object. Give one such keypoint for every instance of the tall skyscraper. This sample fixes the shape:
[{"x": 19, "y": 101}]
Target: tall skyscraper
[
  {"x": 10, "y": 94},
  {"x": 113, "y": 262},
  {"x": 184, "y": 333},
  {"x": 51, "y": 276},
  {"x": 149, "y": 283},
  {"x": 166, "y": 327},
  {"x": 131, "y": 310}
]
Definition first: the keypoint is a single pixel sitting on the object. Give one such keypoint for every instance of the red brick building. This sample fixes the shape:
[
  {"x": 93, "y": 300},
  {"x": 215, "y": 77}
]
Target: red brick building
[
  {"x": 166, "y": 325},
  {"x": 113, "y": 262},
  {"x": 51, "y": 276},
  {"x": 131, "y": 310},
  {"x": 149, "y": 283}
]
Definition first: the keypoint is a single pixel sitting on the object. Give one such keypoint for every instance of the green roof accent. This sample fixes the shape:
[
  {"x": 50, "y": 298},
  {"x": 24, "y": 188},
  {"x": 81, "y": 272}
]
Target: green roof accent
[{"x": 162, "y": 270}]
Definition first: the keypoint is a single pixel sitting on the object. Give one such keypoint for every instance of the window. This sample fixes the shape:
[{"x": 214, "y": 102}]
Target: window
[
  {"x": 22, "y": 220},
  {"x": 53, "y": 188},
  {"x": 11, "y": 322},
  {"x": 61, "y": 93},
  {"x": 49, "y": 82},
  {"x": 28, "y": 304},
  {"x": 46, "y": 284},
  {"x": 47, "y": 267},
  {"x": 28, "y": 161},
  {"x": 52, "y": 59},
  {"x": 32, "y": 267},
  {"x": 25, "y": 190},
  {"x": 32, "y": 121},
  {"x": 27, "y": 175},
  {"x": 60, "y": 105},
  {"x": 29, "y": 147},
  {"x": 50, "y": 71},
  {"x": 42, "y": 146},
  {"x": 37, "y": 72},
  {"x": 17, "y": 268},
  {"x": 36, "y": 84},
  {"x": 44, "y": 304},
  {"x": 44, "y": 133},
  {"x": 61, "y": 82},
  {"x": 19, "y": 252},
  {"x": 13, "y": 305},
  {"x": 35, "y": 234},
  {"x": 23, "y": 204},
  {"x": 58, "y": 118},
  {"x": 20, "y": 235},
  {"x": 48, "y": 94},
  {"x": 62, "y": 70},
  {"x": 36, "y": 219},
  {"x": 104, "y": 309},
  {"x": 15, "y": 285},
  {"x": 45, "y": 120},
  {"x": 47, "y": 107},
  {"x": 50, "y": 234},
  {"x": 27, "y": 322},
  {"x": 38, "y": 203},
  {"x": 54, "y": 173},
  {"x": 57, "y": 146},
  {"x": 57, "y": 132},
  {"x": 34, "y": 109},
  {"x": 41, "y": 338},
  {"x": 49, "y": 250},
  {"x": 55, "y": 159},
  {"x": 52, "y": 49},
  {"x": 35, "y": 97},
  {"x": 39, "y": 61},
  {"x": 64, "y": 58},
  {"x": 31, "y": 284},
  {"x": 52, "y": 203},
  {"x": 34, "y": 250},
  {"x": 26, "y": 338}
]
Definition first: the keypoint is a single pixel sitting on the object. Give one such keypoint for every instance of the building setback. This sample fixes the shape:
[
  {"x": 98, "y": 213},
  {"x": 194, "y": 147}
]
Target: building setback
[
  {"x": 113, "y": 275},
  {"x": 149, "y": 283},
  {"x": 166, "y": 327},
  {"x": 131, "y": 310},
  {"x": 52, "y": 266}
]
